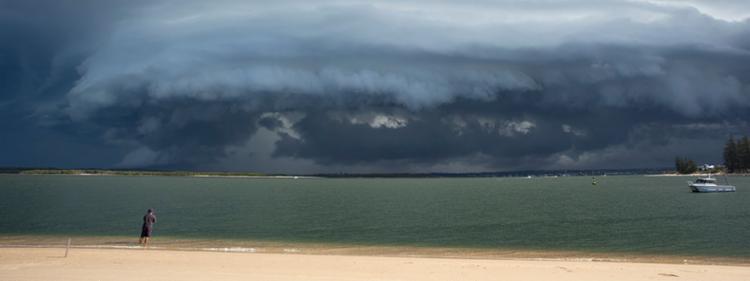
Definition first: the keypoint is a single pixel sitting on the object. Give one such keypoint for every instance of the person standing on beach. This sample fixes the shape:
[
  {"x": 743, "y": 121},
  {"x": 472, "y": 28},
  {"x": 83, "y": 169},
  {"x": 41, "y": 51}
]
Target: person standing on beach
[{"x": 148, "y": 225}]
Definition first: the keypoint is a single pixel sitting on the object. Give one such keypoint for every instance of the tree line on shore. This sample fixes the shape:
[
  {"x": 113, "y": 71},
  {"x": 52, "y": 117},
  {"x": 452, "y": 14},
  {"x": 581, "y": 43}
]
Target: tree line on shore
[
  {"x": 685, "y": 166},
  {"x": 736, "y": 158},
  {"x": 737, "y": 155},
  {"x": 132, "y": 173}
]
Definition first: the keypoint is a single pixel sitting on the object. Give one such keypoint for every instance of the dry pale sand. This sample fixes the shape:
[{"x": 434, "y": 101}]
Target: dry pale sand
[{"x": 138, "y": 264}]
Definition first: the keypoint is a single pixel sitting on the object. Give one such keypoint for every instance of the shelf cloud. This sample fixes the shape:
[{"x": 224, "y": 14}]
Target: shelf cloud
[{"x": 414, "y": 86}]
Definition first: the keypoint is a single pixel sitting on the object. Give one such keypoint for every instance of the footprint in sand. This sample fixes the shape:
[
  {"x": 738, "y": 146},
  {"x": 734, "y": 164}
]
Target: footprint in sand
[{"x": 565, "y": 268}]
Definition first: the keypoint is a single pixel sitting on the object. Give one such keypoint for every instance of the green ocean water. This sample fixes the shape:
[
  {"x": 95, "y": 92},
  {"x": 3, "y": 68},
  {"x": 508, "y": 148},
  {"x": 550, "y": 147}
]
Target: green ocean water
[{"x": 628, "y": 214}]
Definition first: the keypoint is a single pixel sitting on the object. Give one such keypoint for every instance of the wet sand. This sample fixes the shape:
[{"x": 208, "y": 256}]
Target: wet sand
[{"x": 278, "y": 247}]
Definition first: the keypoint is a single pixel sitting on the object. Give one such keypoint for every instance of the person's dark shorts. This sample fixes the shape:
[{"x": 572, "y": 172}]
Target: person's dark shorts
[{"x": 146, "y": 231}]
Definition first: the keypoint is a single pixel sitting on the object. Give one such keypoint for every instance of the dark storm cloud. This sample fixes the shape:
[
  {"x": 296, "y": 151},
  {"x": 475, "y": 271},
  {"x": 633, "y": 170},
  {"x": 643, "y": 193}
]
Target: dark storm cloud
[
  {"x": 43, "y": 41},
  {"x": 392, "y": 85},
  {"x": 41, "y": 45}
]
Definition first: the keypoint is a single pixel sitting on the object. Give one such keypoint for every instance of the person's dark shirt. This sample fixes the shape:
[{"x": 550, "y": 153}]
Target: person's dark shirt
[{"x": 149, "y": 220}]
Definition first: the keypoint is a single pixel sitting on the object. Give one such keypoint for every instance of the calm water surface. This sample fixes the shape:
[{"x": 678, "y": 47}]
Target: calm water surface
[{"x": 623, "y": 213}]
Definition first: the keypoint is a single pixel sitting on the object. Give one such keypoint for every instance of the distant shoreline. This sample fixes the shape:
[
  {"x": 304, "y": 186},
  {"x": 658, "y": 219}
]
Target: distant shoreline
[
  {"x": 504, "y": 174},
  {"x": 156, "y": 175},
  {"x": 257, "y": 175},
  {"x": 698, "y": 175}
]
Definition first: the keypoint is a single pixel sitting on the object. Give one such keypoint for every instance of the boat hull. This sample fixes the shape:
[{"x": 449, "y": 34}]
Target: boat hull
[{"x": 715, "y": 188}]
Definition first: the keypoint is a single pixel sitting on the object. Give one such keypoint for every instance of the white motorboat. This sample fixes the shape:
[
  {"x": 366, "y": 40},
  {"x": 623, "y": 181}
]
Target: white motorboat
[{"x": 708, "y": 184}]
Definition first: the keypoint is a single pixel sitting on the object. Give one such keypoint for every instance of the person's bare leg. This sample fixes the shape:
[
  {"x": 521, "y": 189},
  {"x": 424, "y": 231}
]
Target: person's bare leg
[
  {"x": 145, "y": 241},
  {"x": 140, "y": 241}
]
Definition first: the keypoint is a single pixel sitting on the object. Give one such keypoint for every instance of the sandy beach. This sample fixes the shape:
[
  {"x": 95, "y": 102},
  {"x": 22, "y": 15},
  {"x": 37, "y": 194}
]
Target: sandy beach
[{"x": 139, "y": 264}]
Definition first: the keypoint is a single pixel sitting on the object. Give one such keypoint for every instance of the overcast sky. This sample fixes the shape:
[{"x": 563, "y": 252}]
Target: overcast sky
[{"x": 386, "y": 86}]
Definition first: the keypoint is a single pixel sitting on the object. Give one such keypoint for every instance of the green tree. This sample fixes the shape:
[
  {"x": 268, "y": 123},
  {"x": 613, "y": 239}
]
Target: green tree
[
  {"x": 743, "y": 154},
  {"x": 690, "y": 167},
  {"x": 685, "y": 166},
  {"x": 731, "y": 161}
]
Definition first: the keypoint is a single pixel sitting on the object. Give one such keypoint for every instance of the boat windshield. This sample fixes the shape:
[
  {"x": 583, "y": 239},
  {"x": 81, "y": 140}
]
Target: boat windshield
[{"x": 705, "y": 180}]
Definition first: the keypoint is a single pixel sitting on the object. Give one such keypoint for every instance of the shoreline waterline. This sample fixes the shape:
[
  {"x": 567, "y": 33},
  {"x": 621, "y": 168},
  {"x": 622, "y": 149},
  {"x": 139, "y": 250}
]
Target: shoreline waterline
[{"x": 347, "y": 249}]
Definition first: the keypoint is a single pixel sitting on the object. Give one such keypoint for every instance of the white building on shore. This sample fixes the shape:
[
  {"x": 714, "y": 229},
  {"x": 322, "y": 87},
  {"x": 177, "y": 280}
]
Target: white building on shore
[{"x": 706, "y": 167}]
